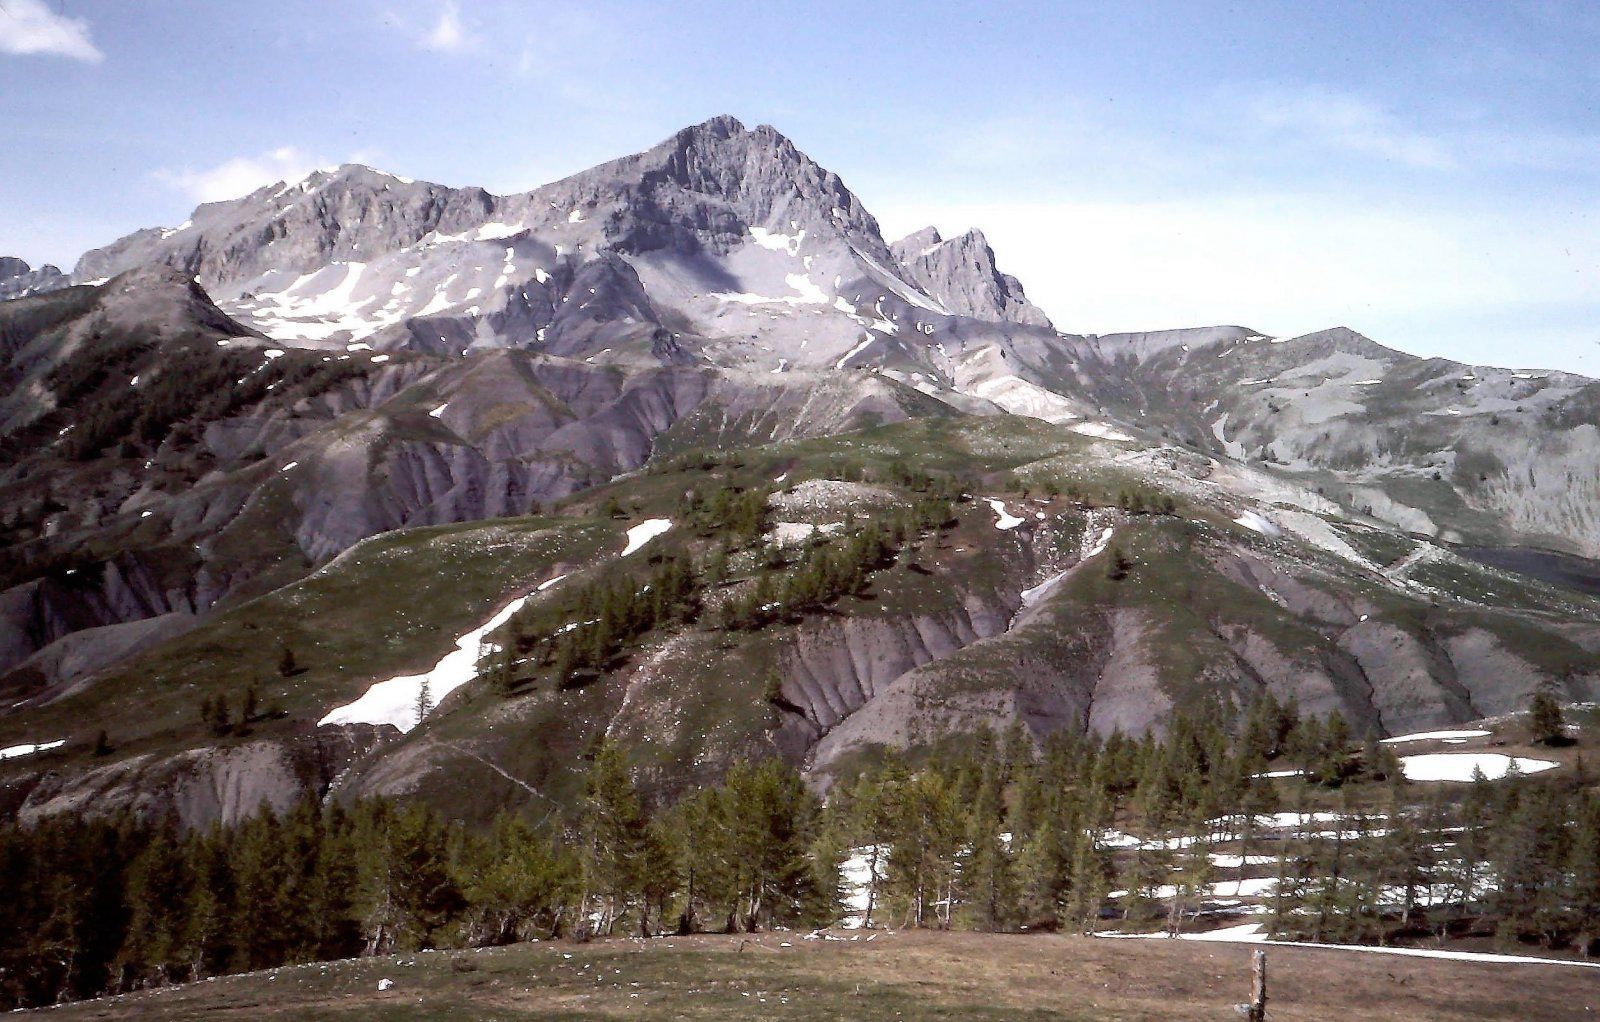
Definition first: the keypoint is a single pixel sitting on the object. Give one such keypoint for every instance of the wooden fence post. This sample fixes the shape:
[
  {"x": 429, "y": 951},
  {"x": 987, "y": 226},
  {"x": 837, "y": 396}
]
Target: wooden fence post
[{"x": 1258, "y": 987}]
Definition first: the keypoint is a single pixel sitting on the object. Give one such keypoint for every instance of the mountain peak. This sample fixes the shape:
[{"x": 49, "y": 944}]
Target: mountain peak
[
  {"x": 960, "y": 272},
  {"x": 722, "y": 126},
  {"x": 703, "y": 187},
  {"x": 18, "y": 279}
]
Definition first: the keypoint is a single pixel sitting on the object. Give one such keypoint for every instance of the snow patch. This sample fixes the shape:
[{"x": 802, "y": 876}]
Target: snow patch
[
  {"x": 1020, "y": 397},
  {"x": 791, "y": 533},
  {"x": 1443, "y": 736},
  {"x": 395, "y": 701},
  {"x": 1099, "y": 430},
  {"x": 1259, "y": 523},
  {"x": 28, "y": 750},
  {"x": 789, "y": 243},
  {"x": 1032, "y": 596},
  {"x": 1459, "y": 766},
  {"x": 644, "y": 532},
  {"x": 853, "y": 352},
  {"x": 1004, "y": 519}
]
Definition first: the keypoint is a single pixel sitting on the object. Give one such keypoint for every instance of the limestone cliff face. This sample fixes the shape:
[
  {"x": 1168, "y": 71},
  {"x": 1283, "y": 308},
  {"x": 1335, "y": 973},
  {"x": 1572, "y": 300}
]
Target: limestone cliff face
[{"x": 961, "y": 274}]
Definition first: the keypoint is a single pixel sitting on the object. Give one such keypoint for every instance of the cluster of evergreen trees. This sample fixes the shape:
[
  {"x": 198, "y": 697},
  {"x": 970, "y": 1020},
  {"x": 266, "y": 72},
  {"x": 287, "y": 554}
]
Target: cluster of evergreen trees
[
  {"x": 1520, "y": 862},
  {"x": 586, "y": 628},
  {"x": 197, "y": 383},
  {"x": 97, "y": 906},
  {"x": 995, "y": 833},
  {"x": 580, "y": 631}
]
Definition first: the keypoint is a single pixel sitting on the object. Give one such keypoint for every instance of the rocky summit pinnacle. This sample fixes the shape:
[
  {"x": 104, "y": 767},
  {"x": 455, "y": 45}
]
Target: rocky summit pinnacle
[
  {"x": 961, "y": 274},
  {"x": 18, "y": 279}
]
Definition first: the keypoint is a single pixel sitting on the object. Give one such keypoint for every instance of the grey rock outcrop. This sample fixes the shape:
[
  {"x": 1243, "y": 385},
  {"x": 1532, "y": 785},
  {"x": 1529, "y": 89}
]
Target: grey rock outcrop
[
  {"x": 961, "y": 274},
  {"x": 18, "y": 279}
]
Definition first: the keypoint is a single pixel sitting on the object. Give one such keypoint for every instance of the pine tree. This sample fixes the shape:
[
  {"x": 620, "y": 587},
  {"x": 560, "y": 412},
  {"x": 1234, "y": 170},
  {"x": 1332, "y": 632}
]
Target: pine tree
[
  {"x": 987, "y": 876},
  {"x": 221, "y": 718},
  {"x": 425, "y": 894},
  {"x": 1192, "y": 880},
  {"x": 424, "y": 701},
  {"x": 1545, "y": 720},
  {"x": 773, "y": 819},
  {"x": 159, "y": 885},
  {"x": 869, "y": 816},
  {"x": 924, "y": 837},
  {"x": 265, "y": 922},
  {"x": 1583, "y": 864},
  {"x": 520, "y": 884},
  {"x": 611, "y": 826}
]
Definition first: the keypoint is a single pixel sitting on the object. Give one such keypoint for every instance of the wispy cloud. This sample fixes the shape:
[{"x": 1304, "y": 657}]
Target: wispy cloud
[
  {"x": 449, "y": 34},
  {"x": 29, "y": 28},
  {"x": 242, "y": 174},
  {"x": 1345, "y": 121}
]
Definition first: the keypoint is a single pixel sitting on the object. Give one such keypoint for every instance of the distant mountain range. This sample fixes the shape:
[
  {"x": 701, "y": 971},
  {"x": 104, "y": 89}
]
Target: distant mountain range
[{"x": 319, "y": 416}]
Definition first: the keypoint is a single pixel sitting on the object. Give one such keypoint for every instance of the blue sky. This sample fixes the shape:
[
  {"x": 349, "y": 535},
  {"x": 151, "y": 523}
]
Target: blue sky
[{"x": 1427, "y": 173}]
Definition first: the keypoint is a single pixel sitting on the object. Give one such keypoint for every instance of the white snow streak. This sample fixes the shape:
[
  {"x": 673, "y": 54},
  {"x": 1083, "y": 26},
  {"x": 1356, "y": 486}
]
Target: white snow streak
[
  {"x": 395, "y": 701},
  {"x": 644, "y": 532},
  {"x": 1429, "y": 736},
  {"x": 1100, "y": 431},
  {"x": 28, "y": 750},
  {"x": 1258, "y": 523}
]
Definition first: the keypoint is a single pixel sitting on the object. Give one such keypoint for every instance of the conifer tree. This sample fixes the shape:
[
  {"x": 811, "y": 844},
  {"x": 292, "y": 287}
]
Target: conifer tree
[
  {"x": 612, "y": 828},
  {"x": 987, "y": 876},
  {"x": 1545, "y": 719}
]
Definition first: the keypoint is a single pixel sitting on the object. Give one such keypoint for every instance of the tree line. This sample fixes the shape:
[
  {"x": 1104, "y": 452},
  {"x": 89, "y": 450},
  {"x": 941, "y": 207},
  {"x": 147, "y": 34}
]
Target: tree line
[
  {"x": 995, "y": 832},
  {"x": 106, "y": 905}
]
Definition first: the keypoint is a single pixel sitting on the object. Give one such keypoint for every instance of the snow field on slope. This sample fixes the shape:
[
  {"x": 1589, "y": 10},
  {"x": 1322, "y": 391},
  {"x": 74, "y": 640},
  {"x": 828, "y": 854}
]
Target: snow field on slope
[
  {"x": 856, "y": 874},
  {"x": 1019, "y": 397},
  {"x": 395, "y": 701},
  {"x": 1459, "y": 766},
  {"x": 1258, "y": 523},
  {"x": 791, "y": 533},
  {"x": 644, "y": 532}
]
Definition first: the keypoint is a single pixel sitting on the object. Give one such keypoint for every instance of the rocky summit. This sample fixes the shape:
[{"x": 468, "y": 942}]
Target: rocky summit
[{"x": 413, "y": 465}]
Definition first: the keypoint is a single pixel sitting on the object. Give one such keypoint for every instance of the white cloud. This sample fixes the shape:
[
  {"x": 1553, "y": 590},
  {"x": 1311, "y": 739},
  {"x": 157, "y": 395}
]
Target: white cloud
[
  {"x": 29, "y": 27},
  {"x": 449, "y": 34},
  {"x": 242, "y": 174}
]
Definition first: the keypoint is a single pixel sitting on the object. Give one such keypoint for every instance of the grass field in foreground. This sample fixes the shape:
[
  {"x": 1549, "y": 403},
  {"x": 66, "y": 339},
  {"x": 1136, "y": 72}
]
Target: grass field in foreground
[{"x": 895, "y": 976}]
